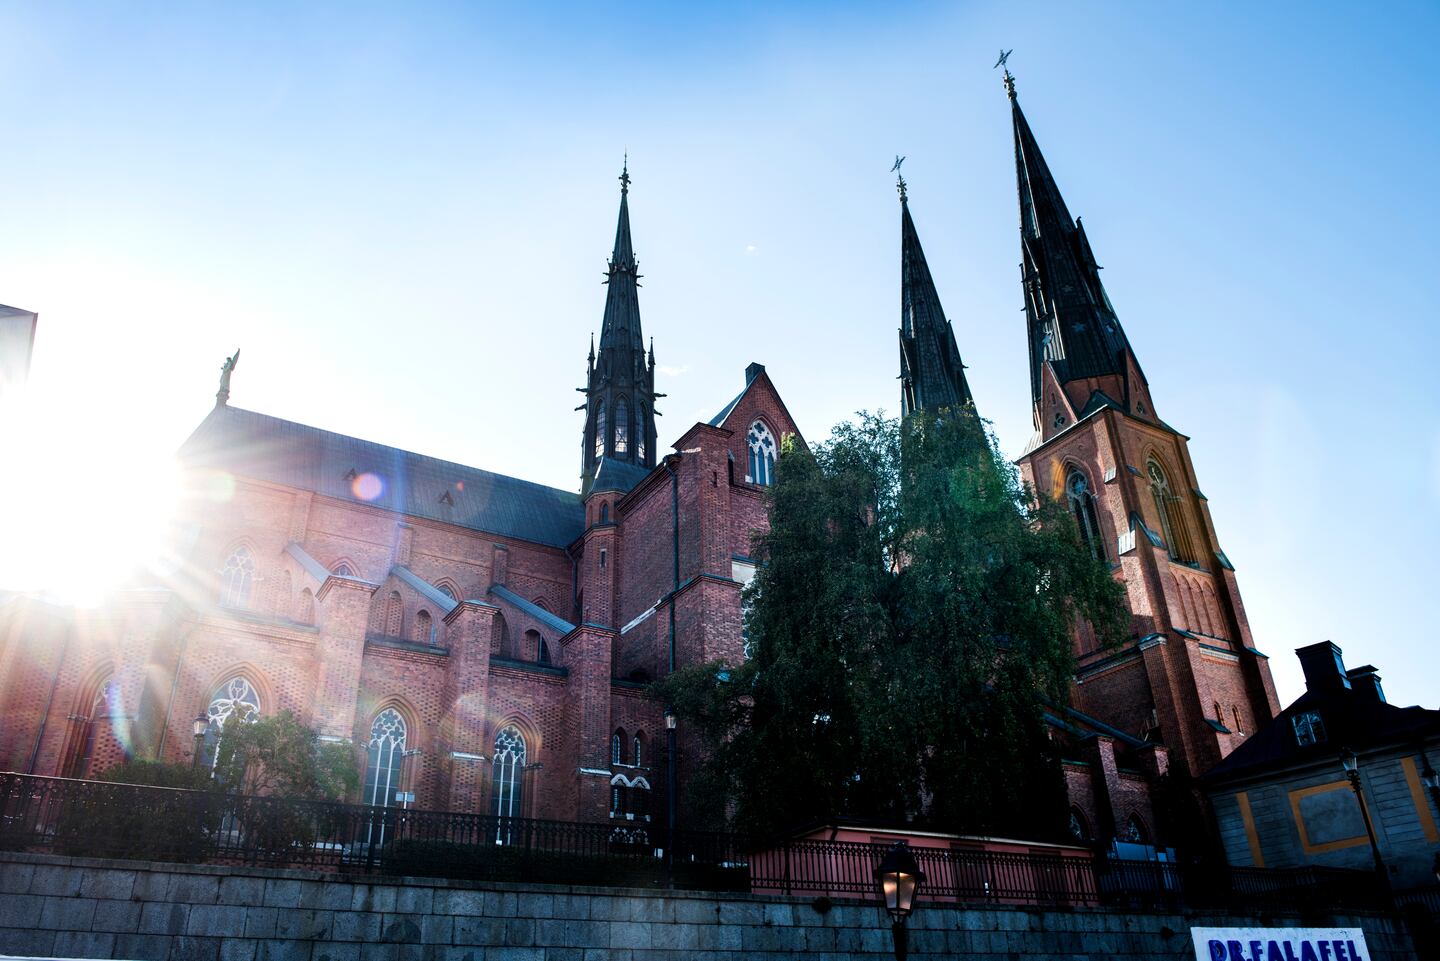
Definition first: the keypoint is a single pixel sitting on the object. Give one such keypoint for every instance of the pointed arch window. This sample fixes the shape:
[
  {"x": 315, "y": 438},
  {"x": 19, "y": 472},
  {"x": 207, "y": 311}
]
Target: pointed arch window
[
  {"x": 394, "y": 610},
  {"x": 237, "y": 578},
  {"x": 306, "y": 612},
  {"x": 88, "y": 730},
  {"x": 424, "y": 628},
  {"x": 638, "y": 752},
  {"x": 1134, "y": 831},
  {"x": 506, "y": 784},
  {"x": 234, "y": 702},
  {"x": 641, "y": 429},
  {"x": 617, "y": 746},
  {"x": 762, "y": 453},
  {"x": 622, "y": 427},
  {"x": 1078, "y": 826},
  {"x": 542, "y": 656},
  {"x": 602, "y": 428},
  {"x": 1082, "y": 505},
  {"x": 1172, "y": 519},
  {"x": 385, "y": 758},
  {"x": 343, "y": 570}
]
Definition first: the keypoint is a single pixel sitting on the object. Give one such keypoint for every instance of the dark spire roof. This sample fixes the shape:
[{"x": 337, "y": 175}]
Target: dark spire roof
[
  {"x": 621, "y": 328},
  {"x": 620, "y": 382},
  {"x": 1070, "y": 318},
  {"x": 932, "y": 376}
]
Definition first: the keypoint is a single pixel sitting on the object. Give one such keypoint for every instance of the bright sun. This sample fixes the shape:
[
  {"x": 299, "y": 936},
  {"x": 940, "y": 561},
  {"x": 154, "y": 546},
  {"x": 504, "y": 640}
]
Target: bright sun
[{"x": 86, "y": 504}]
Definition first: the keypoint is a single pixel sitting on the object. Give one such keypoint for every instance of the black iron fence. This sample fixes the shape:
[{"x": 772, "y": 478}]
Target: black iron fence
[{"x": 98, "y": 819}]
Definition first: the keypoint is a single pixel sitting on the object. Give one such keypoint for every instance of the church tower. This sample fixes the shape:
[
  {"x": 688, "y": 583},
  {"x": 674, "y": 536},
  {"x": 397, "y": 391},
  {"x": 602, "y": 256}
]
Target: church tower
[
  {"x": 1190, "y": 677},
  {"x": 932, "y": 376},
  {"x": 619, "y": 383}
]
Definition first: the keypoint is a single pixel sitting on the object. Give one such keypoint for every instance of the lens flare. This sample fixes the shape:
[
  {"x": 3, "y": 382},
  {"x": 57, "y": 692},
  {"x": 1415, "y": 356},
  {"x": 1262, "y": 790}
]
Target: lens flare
[{"x": 367, "y": 487}]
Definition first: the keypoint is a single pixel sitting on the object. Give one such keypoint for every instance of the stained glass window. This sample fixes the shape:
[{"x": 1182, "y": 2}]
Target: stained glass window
[{"x": 237, "y": 578}]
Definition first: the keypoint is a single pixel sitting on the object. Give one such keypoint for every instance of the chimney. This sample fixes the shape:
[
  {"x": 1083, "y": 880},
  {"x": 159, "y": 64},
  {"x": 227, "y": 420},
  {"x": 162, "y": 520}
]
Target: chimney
[
  {"x": 753, "y": 371},
  {"x": 1366, "y": 683},
  {"x": 1324, "y": 669}
]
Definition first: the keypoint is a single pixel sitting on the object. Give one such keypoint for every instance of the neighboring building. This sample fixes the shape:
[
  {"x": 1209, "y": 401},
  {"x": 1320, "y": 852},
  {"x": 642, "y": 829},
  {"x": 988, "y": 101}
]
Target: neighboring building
[
  {"x": 485, "y": 641},
  {"x": 17, "y": 341},
  {"x": 1283, "y": 799}
]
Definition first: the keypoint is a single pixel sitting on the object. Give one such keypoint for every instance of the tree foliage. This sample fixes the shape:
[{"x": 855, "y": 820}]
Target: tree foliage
[
  {"x": 910, "y": 620},
  {"x": 281, "y": 757}
]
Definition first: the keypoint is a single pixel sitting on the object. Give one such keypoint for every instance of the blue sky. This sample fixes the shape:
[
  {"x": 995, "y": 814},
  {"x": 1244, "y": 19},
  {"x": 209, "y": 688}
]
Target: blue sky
[{"x": 402, "y": 214}]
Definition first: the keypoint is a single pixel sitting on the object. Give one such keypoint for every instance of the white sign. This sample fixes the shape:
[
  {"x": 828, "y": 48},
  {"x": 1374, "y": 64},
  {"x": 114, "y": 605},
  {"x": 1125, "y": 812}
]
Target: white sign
[{"x": 1280, "y": 944}]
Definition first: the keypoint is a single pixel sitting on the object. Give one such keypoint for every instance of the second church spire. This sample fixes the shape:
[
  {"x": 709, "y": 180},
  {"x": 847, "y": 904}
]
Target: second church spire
[
  {"x": 932, "y": 376},
  {"x": 620, "y": 382}
]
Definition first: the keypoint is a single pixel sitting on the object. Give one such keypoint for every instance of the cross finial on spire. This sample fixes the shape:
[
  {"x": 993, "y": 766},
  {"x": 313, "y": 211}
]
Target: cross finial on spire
[
  {"x": 899, "y": 177},
  {"x": 1009, "y": 77},
  {"x": 625, "y": 175}
]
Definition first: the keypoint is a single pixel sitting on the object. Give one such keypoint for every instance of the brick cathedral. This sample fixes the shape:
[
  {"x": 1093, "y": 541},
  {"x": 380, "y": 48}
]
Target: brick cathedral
[{"x": 485, "y": 642}]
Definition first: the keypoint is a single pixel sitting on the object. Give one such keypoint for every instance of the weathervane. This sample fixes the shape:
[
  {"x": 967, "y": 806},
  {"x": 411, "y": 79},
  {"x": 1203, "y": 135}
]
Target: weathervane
[
  {"x": 899, "y": 177},
  {"x": 1009, "y": 77}
]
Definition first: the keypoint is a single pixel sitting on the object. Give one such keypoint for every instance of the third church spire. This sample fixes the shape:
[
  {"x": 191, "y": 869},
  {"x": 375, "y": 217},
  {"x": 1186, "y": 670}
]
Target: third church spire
[
  {"x": 932, "y": 377},
  {"x": 620, "y": 382}
]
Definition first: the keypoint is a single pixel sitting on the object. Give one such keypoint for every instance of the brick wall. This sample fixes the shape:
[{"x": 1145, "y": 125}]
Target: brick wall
[{"x": 61, "y": 907}]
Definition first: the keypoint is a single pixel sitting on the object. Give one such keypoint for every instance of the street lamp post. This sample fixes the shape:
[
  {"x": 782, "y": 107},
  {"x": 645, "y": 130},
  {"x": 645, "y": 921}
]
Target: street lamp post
[
  {"x": 899, "y": 878},
  {"x": 670, "y": 789},
  {"x": 198, "y": 727},
  {"x": 1351, "y": 763}
]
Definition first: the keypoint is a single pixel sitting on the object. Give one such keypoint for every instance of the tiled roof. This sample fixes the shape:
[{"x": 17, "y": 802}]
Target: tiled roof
[
  {"x": 335, "y": 465},
  {"x": 551, "y": 621},
  {"x": 616, "y": 475}
]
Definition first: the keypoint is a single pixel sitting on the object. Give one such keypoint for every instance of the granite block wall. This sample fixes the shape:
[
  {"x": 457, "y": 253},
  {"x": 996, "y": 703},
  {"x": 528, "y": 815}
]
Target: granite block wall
[{"x": 83, "y": 908}]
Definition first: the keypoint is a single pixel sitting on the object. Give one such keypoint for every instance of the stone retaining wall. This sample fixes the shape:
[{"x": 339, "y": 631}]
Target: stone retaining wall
[{"x": 77, "y": 907}]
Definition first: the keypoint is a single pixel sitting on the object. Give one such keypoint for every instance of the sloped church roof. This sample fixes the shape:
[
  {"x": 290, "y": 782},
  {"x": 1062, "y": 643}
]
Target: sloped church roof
[{"x": 284, "y": 452}]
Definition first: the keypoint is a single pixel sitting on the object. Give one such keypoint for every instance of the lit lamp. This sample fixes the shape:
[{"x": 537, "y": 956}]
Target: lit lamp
[
  {"x": 898, "y": 877},
  {"x": 198, "y": 727},
  {"x": 671, "y": 790},
  {"x": 1351, "y": 764}
]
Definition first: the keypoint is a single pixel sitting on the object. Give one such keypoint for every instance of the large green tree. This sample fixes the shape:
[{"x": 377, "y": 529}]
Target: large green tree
[{"x": 910, "y": 621}]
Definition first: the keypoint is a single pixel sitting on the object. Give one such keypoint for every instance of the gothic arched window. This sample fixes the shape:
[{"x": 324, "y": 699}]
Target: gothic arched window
[
  {"x": 306, "y": 613},
  {"x": 638, "y": 744},
  {"x": 382, "y": 763},
  {"x": 542, "y": 656},
  {"x": 234, "y": 702},
  {"x": 1082, "y": 505},
  {"x": 602, "y": 427},
  {"x": 506, "y": 788},
  {"x": 1078, "y": 828},
  {"x": 424, "y": 629},
  {"x": 237, "y": 578},
  {"x": 1172, "y": 522},
  {"x": 762, "y": 453},
  {"x": 393, "y": 612},
  {"x": 622, "y": 427},
  {"x": 343, "y": 569},
  {"x": 640, "y": 429},
  {"x": 617, "y": 746},
  {"x": 1135, "y": 831},
  {"x": 88, "y": 729}
]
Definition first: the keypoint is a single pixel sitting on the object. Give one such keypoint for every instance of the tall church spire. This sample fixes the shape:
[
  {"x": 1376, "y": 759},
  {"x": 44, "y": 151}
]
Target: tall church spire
[
  {"x": 932, "y": 376},
  {"x": 1072, "y": 325},
  {"x": 620, "y": 381}
]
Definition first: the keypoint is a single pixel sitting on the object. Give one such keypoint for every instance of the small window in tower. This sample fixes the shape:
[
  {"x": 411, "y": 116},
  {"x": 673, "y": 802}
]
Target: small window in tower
[
  {"x": 1082, "y": 505},
  {"x": 1235, "y": 712},
  {"x": 622, "y": 427},
  {"x": 1309, "y": 728},
  {"x": 602, "y": 427},
  {"x": 640, "y": 431},
  {"x": 602, "y": 558},
  {"x": 762, "y": 453}
]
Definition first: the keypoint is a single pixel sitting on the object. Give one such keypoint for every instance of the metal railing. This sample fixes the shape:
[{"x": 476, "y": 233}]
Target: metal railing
[{"x": 100, "y": 819}]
